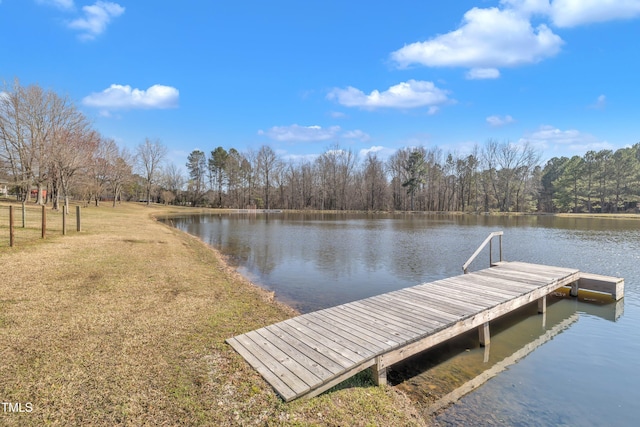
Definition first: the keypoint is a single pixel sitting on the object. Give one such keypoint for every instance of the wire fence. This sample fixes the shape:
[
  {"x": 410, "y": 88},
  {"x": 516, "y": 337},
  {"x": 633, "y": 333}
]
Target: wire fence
[{"x": 21, "y": 224}]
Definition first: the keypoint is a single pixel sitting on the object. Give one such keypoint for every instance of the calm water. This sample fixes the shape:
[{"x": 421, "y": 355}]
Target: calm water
[{"x": 578, "y": 365}]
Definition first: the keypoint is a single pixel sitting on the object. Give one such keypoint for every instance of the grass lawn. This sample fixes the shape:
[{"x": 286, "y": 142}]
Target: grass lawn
[{"x": 125, "y": 322}]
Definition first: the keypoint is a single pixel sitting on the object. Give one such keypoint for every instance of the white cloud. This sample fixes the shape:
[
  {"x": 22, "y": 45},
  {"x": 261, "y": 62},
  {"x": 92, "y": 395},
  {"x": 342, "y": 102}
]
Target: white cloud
[
  {"x": 300, "y": 158},
  {"x": 483, "y": 73},
  {"x": 299, "y": 133},
  {"x": 600, "y": 103},
  {"x": 571, "y": 13},
  {"x": 356, "y": 134},
  {"x": 96, "y": 18},
  {"x": 124, "y": 97},
  {"x": 491, "y": 38},
  {"x": 564, "y": 142},
  {"x": 498, "y": 121},
  {"x": 337, "y": 114},
  {"x": 381, "y": 152},
  {"x": 433, "y": 110},
  {"x": 410, "y": 94},
  {"x": 487, "y": 38},
  {"x": 373, "y": 149},
  {"x": 62, "y": 4},
  {"x": 528, "y": 7}
]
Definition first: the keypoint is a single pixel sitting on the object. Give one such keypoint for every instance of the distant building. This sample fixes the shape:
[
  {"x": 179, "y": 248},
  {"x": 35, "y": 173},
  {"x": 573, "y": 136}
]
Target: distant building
[
  {"x": 34, "y": 193},
  {"x": 4, "y": 191}
]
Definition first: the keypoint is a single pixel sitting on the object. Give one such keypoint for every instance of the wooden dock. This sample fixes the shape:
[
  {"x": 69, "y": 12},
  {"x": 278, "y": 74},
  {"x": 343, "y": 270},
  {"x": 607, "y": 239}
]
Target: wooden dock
[{"x": 308, "y": 354}]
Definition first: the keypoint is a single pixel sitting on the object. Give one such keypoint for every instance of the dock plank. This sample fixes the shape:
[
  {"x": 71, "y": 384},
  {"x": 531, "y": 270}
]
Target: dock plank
[
  {"x": 297, "y": 333},
  {"x": 353, "y": 334},
  {"x": 488, "y": 289},
  {"x": 395, "y": 307},
  {"x": 502, "y": 280},
  {"x": 419, "y": 305},
  {"x": 478, "y": 291},
  {"x": 296, "y": 353},
  {"x": 306, "y": 348},
  {"x": 295, "y": 366},
  {"x": 263, "y": 369},
  {"x": 341, "y": 338},
  {"x": 407, "y": 326},
  {"x": 461, "y": 301},
  {"x": 376, "y": 320},
  {"x": 440, "y": 306},
  {"x": 362, "y": 324},
  {"x": 273, "y": 371},
  {"x": 329, "y": 344}
]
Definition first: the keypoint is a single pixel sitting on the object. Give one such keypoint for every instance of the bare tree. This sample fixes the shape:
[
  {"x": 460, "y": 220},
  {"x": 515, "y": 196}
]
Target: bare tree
[
  {"x": 73, "y": 147},
  {"x": 39, "y": 105},
  {"x": 233, "y": 168},
  {"x": 267, "y": 161},
  {"x": 395, "y": 166},
  {"x": 375, "y": 181},
  {"x": 101, "y": 168},
  {"x": 42, "y": 139},
  {"x": 248, "y": 175},
  {"x": 14, "y": 139},
  {"x": 346, "y": 165},
  {"x": 508, "y": 166},
  {"x": 120, "y": 173},
  {"x": 335, "y": 166},
  {"x": 149, "y": 157},
  {"x": 25, "y": 131},
  {"x": 172, "y": 181}
]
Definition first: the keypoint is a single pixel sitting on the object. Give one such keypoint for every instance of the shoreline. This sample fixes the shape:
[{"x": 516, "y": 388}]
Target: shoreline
[
  {"x": 208, "y": 210},
  {"x": 268, "y": 296}
]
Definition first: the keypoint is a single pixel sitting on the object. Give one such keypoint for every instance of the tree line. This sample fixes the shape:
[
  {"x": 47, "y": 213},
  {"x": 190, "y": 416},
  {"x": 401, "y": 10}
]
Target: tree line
[
  {"x": 497, "y": 176},
  {"x": 47, "y": 143},
  {"x": 603, "y": 181}
]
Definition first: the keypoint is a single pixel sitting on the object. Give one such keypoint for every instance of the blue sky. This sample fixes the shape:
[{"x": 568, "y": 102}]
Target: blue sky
[{"x": 303, "y": 76}]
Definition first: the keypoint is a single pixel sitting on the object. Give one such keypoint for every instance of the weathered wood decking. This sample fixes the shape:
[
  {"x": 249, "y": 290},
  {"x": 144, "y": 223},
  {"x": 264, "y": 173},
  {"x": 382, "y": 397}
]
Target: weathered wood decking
[{"x": 311, "y": 353}]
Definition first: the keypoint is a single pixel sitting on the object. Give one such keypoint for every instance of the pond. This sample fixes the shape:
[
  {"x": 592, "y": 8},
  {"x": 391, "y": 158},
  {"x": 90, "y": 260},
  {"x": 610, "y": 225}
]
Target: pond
[{"x": 577, "y": 365}]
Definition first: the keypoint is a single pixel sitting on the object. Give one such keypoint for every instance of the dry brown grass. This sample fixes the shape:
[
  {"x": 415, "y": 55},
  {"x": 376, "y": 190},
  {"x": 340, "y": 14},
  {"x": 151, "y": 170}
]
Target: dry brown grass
[{"x": 125, "y": 322}]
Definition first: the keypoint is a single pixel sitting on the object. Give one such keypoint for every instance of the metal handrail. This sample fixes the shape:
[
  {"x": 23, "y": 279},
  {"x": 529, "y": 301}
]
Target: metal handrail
[{"x": 489, "y": 240}]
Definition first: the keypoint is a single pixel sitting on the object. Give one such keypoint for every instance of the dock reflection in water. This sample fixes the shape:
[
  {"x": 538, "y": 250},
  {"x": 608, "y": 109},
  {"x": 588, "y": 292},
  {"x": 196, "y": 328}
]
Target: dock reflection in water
[{"x": 447, "y": 373}]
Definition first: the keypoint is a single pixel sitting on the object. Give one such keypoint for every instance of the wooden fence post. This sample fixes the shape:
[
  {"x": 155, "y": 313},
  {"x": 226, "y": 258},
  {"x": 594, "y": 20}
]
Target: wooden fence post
[
  {"x": 24, "y": 215},
  {"x": 11, "y": 236},
  {"x": 44, "y": 221},
  {"x": 78, "y": 218}
]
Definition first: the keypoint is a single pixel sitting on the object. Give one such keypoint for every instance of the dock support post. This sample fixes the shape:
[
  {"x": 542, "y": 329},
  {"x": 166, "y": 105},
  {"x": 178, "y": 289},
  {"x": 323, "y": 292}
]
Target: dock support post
[
  {"x": 574, "y": 289},
  {"x": 485, "y": 336},
  {"x": 379, "y": 372},
  {"x": 542, "y": 305}
]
